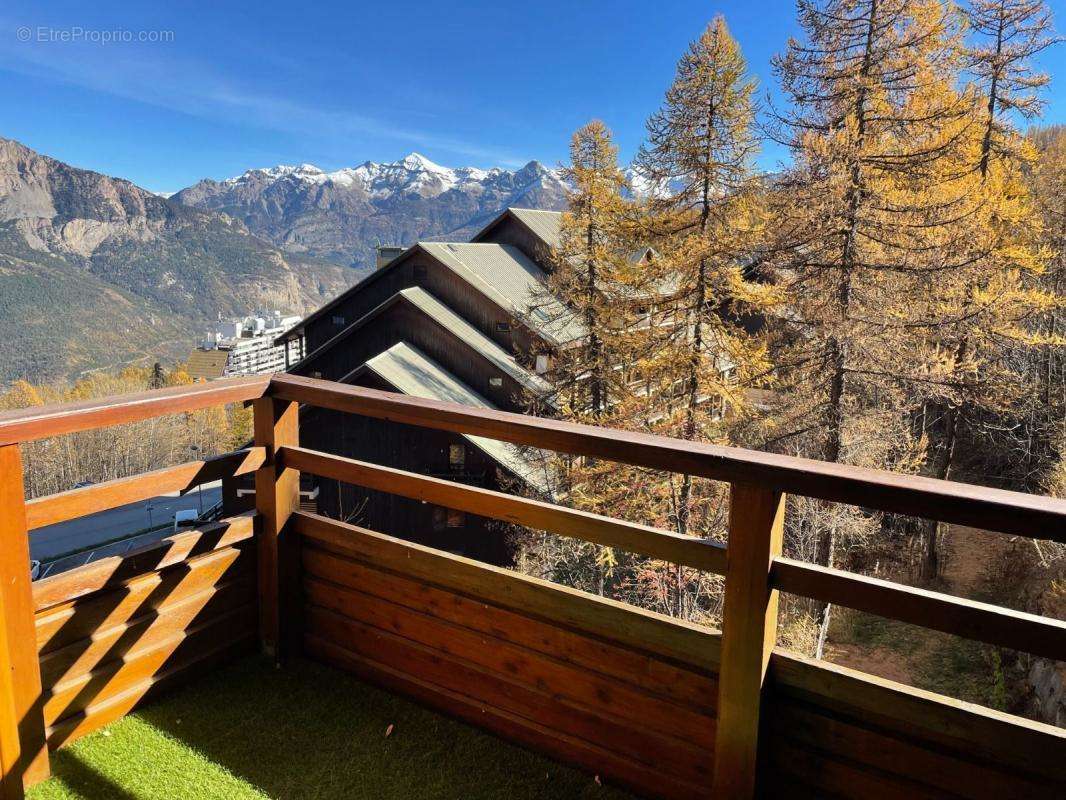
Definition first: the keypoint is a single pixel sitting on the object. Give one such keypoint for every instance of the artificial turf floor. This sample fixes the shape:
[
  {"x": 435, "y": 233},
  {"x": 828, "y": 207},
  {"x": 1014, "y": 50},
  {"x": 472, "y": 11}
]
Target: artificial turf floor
[{"x": 307, "y": 731}]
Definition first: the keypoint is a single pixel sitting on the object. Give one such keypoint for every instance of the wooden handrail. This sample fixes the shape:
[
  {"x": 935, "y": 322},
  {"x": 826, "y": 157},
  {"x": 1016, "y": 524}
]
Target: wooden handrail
[
  {"x": 42, "y": 422},
  {"x": 702, "y": 554},
  {"x": 970, "y": 619},
  {"x": 76, "y": 503},
  {"x": 1015, "y": 513}
]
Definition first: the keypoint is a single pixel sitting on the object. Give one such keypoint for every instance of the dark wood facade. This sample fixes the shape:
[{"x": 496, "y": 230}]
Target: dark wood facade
[
  {"x": 402, "y": 321},
  {"x": 374, "y": 316},
  {"x": 435, "y": 453}
]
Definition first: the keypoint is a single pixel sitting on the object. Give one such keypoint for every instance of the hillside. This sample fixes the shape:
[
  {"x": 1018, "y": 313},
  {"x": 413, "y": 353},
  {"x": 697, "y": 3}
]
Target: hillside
[
  {"x": 96, "y": 272},
  {"x": 342, "y": 216}
]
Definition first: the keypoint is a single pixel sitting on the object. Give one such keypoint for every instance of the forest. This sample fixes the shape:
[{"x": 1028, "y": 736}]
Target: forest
[
  {"x": 891, "y": 298},
  {"x": 58, "y": 464}
]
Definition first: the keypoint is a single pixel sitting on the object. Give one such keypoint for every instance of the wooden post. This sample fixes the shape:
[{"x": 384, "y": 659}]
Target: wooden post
[
  {"x": 25, "y": 761},
  {"x": 277, "y": 495},
  {"x": 749, "y": 630}
]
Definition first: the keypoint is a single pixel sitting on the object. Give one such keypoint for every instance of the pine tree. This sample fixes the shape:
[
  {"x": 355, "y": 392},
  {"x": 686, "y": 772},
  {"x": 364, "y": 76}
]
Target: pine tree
[
  {"x": 697, "y": 163},
  {"x": 592, "y": 277},
  {"x": 590, "y": 287},
  {"x": 867, "y": 219},
  {"x": 1008, "y": 33},
  {"x": 1046, "y": 368},
  {"x": 984, "y": 306},
  {"x": 159, "y": 378}
]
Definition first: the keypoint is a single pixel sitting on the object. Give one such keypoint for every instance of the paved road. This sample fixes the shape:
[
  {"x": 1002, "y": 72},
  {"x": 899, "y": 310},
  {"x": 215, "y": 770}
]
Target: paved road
[{"x": 85, "y": 532}]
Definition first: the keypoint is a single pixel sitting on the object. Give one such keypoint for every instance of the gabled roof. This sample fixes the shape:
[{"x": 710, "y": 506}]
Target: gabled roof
[
  {"x": 207, "y": 364},
  {"x": 413, "y": 373},
  {"x": 448, "y": 319},
  {"x": 545, "y": 225},
  {"x": 506, "y": 275},
  {"x": 502, "y": 273}
]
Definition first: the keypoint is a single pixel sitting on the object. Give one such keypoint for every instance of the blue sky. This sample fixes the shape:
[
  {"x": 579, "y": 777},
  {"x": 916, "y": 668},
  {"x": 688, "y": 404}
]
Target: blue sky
[{"x": 241, "y": 85}]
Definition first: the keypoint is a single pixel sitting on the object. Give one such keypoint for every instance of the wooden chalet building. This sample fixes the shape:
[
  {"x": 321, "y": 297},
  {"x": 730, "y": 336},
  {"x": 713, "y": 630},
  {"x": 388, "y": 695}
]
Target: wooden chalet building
[{"x": 464, "y": 322}]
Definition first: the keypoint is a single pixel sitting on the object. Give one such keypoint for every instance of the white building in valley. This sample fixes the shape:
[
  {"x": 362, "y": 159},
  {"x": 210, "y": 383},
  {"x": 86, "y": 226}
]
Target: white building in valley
[{"x": 245, "y": 347}]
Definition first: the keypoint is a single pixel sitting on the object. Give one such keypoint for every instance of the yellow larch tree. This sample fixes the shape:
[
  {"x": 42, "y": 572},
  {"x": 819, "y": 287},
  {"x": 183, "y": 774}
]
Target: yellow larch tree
[{"x": 697, "y": 171}]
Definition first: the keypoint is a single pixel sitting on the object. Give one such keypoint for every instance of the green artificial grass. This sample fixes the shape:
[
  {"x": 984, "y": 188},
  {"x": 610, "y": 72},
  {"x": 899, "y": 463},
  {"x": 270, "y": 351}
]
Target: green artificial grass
[{"x": 307, "y": 731}]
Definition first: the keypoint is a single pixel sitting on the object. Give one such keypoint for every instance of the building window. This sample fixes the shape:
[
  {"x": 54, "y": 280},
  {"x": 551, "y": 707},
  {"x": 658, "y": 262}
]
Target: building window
[
  {"x": 542, "y": 363},
  {"x": 338, "y": 319},
  {"x": 503, "y": 327},
  {"x": 444, "y": 518},
  {"x": 457, "y": 457},
  {"x": 495, "y": 383}
]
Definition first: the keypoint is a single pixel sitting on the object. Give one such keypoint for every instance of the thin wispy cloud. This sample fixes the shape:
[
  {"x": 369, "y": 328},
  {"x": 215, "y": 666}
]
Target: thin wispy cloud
[{"x": 139, "y": 74}]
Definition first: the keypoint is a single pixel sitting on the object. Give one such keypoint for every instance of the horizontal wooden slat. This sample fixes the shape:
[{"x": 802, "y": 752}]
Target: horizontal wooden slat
[
  {"x": 509, "y": 692},
  {"x": 620, "y": 703},
  {"x": 695, "y": 689},
  {"x": 142, "y": 632},
  {"x": 702, "y": 554},
  {"x": 693, "y": 645},
  {"x": 896, "y": 753},
  {"x": 561, "y": 745},
  {"x": 111, "y": 572},
  {"x": 936, "y": 721},
  {"x": 941, "y": 612},
  {"x": 67, "y": 622},
  {"x": 76, "y": 503},
  {"x": 119, "y": 675},
  {"x": 840, "y": 778},
  {"x": 115, "y": 707},
  {"x": 41, "y": 422},
  {"x": 948, "y": 501}
]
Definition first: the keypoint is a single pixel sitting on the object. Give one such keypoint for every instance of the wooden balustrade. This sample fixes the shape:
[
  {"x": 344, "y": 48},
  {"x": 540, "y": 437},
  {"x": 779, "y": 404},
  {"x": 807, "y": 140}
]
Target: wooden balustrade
[
  {"x": 703, "y": 554},
  {"x": 23, "y": 746},
  {"x": 752, "y": 563},
  {"x": 947, "y": 501},
  {"x": 76, "y": 503},
  {"x": 596, "y": 669}
]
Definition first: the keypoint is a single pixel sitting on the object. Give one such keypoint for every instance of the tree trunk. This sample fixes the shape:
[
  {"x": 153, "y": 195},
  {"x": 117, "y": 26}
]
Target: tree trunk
[{"x": 929, "y": 566}]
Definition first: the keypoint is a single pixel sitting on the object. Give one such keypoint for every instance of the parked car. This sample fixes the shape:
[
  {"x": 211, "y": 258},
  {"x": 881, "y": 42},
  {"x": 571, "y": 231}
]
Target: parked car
[{"x": 185, "y": 519}]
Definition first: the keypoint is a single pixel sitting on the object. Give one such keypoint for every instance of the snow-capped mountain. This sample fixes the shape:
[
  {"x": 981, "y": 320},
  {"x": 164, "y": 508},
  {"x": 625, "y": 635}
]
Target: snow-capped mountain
[
  {"x": 342, "y": 215},
  {"x": 97, "y": 272},
  {"x": 642, "y": 186}
]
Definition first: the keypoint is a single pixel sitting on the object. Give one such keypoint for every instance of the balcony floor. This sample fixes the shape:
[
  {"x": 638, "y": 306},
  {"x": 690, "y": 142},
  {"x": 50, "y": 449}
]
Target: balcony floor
[{"x": 250, "y": 731}]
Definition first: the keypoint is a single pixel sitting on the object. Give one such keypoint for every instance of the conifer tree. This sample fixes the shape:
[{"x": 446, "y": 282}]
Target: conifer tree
[
  {"x": 866, "y": 219},
  {"x": 589, "y": 289},
  {"x": 591, "y": 276},
  {"x": 1008, "y": 33},
  {"x": 697, "y": 163},
  {"x": 1046, "y": 368},
  {"x": 158, "y": 378},
  {"x": 986, "y": 305}
]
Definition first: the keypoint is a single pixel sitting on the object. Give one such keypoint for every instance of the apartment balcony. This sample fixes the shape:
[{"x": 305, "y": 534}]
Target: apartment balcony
[{"x": 411, "y": 672}]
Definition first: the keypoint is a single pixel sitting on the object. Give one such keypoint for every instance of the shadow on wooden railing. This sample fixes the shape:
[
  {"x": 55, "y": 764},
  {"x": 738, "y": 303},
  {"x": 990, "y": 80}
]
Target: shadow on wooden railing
[
  {"x": 80, "y": 649},
  {"x": 666, "y": 707}
]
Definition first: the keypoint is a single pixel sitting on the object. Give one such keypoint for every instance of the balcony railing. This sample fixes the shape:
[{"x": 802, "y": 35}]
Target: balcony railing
[{"x": 668, "y": 708}]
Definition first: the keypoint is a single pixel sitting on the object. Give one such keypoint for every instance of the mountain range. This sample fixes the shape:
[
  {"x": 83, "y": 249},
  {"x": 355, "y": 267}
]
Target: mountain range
[
  {"x": 341, "y": 216},
  {"x": 96, "y": 272}
]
